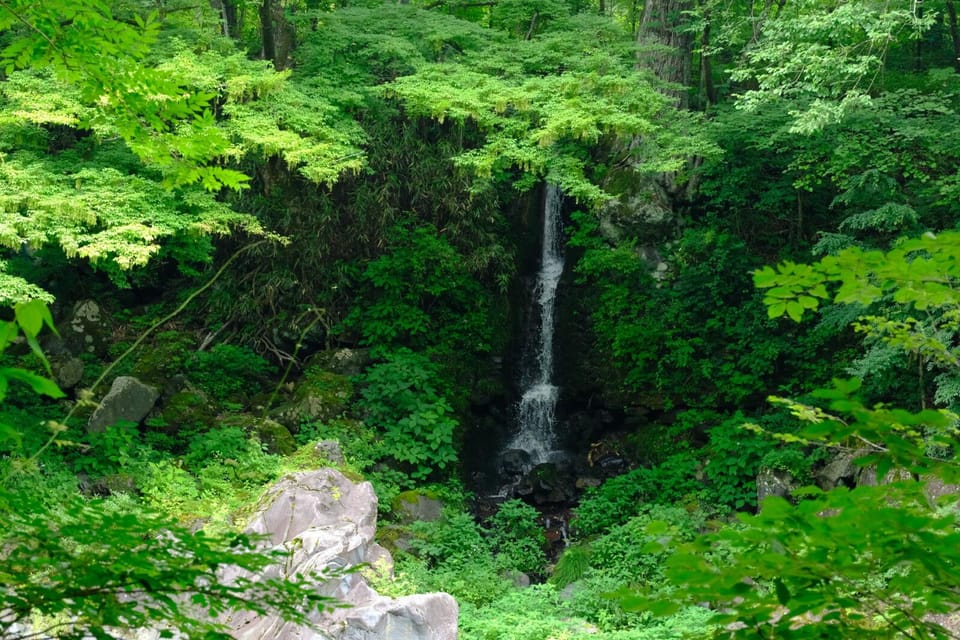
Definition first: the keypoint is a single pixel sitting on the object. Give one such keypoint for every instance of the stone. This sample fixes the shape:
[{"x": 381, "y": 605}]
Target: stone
[
  {"x": 87, "y": 329},
  {"x": 329, "y": 450},
  {"x": 346, "y": 362},
  {"x": 514, "y": 462},
  {"x": 67, "y": 371},
  {"x": 414, "y": 506},
  {"x": 128, "y": 400},
  {"x": 548, "y": 483},
  {"x": 867, "y": 476},
  {"x": 841, "y": 471},
  {"x": 320, "y": 397},
  {"x": 328, "y": 521},
  {"x": 937, "y": 490},
  {"x": 774, "y": 482}
]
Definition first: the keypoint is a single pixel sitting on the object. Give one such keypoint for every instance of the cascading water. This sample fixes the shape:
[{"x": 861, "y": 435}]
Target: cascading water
[{"x": 536, "y": 414}]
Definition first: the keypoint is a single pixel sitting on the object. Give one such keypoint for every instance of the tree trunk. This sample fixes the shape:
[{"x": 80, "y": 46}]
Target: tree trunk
[
  {"x": 664, "y": 48},
  {"x": 954, "y": 34},
  {"x": 277, "y": 34},
  {"x": 266, "y": 31},
  {"x": 708, "y": 92},
  {"x": 229, "y": 17}
]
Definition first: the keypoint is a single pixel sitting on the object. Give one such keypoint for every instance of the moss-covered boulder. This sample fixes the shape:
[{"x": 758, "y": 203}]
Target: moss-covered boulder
[
  {"x": 321, "y": 396},
  {"x": 414, "y": 506},
  {"x": 188, "y": 408},
  {"x": 346, "y": 362},
  {"x": 164, "y": 356},
  {"x": 274, "y": 436}
]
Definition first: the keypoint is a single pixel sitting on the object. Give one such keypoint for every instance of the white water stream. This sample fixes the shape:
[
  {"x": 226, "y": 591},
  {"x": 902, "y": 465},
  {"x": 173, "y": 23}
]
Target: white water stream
[{"x": 536, "y": 415}]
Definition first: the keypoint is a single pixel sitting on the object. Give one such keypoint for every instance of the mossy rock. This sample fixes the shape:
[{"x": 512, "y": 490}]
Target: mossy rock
[
  {"x": 320, "y": 397},
  {"x": 413, "y": 506},
  {"x": 345, "y": 362},
  {"x": 395, "y": 537},
  {"x": 274, "y": 436},
  {"x": 188, "y": 409},
  {"x": 164, "y": 357}
]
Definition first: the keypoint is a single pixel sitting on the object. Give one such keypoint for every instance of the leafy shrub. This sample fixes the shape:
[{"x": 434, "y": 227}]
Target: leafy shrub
[
  {"x": 620, "y": 498},
  {"x": 626, "y": 554},
  {"x": 454, "y": 539},
  {"x": 168, "y": 487},
  {"x": 735, "y": 456},
  {"x": 517, "y": 538},
  {"x": 226, "y": 443},
  {"x": 226, "y": 371},
  {"x": 571, "y": 566},
  {"x": 110, "y": 451},
  {"x": 401, "y": 397}
]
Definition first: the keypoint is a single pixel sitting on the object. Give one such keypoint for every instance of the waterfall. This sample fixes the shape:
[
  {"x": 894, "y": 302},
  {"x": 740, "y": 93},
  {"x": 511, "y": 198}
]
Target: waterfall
[{"x": 536, "y": 414}]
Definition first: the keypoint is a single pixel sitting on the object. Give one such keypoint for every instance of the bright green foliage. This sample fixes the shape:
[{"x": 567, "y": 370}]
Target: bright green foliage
[
  {"x": 826, "y": 56},
  {"x": 517, "y": 537},
  {"x": 82, "y": 569},
  {"x": 160, "y": 119},
  {"x": 874, "y": 560},
  {"x": 402, "y": 399},
  {"x": 918, "y": 273}
]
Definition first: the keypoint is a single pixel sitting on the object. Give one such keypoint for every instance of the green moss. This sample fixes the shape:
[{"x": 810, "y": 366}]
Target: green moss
[
  {"x": 164, "y": 357},
  {"x": 188, "y": 409},
  {"x": 276, "y": 437}
]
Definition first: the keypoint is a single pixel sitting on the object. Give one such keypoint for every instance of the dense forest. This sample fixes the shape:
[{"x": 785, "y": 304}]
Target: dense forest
[{"x": 310, "y": 234}]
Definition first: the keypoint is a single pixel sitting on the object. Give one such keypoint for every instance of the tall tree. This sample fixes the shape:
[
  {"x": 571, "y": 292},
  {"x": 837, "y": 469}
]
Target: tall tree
[{"x": 665, "y": 46}]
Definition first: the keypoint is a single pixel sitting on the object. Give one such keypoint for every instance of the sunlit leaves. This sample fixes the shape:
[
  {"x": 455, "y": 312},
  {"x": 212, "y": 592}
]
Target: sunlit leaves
[
  {"x": 921, "y": 273},
  {"x": 827, "y": 56}
]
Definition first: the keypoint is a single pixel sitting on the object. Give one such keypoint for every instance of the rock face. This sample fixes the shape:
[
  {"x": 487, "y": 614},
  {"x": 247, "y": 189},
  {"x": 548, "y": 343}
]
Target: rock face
[
  {"x": 329, "y": 521},
  {"x": 128, "y": 399},
  {"x": 87, "y": 329},
  {"x": 774, "y": 482}
]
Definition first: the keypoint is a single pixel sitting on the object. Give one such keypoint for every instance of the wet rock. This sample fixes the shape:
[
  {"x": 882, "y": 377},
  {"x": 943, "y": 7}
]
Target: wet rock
[
  {"x": 514, "y": 462},
  {"x": 548, "y": 483}
]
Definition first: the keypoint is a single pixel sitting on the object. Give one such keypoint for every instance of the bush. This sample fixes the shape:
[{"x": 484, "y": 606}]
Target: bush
[
  {"x": 517, "y": 538},
  {"x": 401, "y": 397},
  {"x": 619, "y": 499},
  {"x": 225, "y": 371}
]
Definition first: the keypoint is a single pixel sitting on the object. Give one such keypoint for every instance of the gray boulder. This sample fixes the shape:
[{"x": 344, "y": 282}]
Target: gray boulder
[
  {"x": 67, "y": 371},
  {"x": 841, "y": 471},
  {"x": 328, "y": 521},
  {"x": 774, "y": 482},
  {"x": 128, "y": 400},
  {"x": 87, "y": 329}
]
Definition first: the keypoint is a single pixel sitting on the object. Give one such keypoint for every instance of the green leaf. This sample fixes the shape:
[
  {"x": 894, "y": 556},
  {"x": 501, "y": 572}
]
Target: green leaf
[
  {"x": 39, "y": 384},
  {"x": 783, "y": 593},
  {"x": 32, "y": 315},
  {"x": 795, "y": 311}
]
